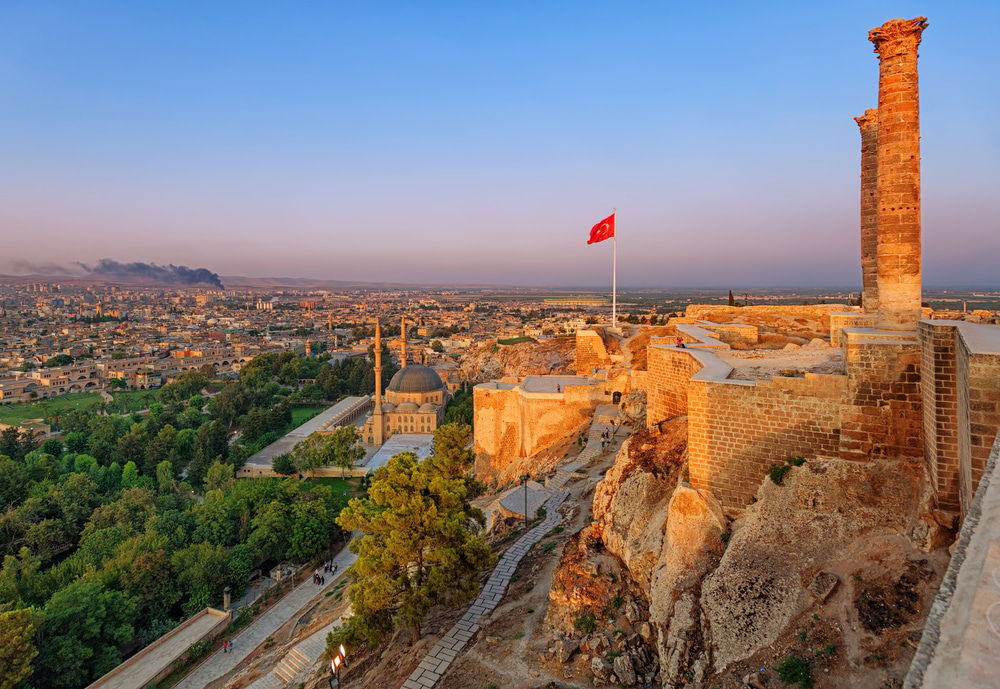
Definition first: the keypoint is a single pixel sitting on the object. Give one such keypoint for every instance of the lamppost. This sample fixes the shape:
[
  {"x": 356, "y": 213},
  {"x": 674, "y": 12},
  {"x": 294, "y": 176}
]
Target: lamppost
[
  {"x": 338, "y": 661},
  {"x": 524, "y": 482}
]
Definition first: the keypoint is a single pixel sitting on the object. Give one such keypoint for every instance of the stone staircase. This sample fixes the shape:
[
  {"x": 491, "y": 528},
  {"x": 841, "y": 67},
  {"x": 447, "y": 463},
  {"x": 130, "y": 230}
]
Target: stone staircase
[
  {"x": 604, "y": 415},
  {"x": 297, "y": 661}
]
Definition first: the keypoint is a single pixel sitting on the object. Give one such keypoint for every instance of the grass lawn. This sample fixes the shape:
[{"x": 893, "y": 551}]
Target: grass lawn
[
  {"x": 137, "y": 399},
  {"x": 302, "y": 414},
  {"x": 351, "y": 485},
  {"x": 516, "y": 340},
  {"x": 16, "y": 413}
]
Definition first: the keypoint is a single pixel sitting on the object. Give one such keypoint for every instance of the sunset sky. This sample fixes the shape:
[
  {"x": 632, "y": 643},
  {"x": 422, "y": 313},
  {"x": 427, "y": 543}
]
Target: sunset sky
[{"x": 478, "y": 141}]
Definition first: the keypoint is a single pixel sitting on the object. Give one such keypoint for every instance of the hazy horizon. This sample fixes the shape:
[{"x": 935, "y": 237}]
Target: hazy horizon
[{"x": 451, "y": 143}]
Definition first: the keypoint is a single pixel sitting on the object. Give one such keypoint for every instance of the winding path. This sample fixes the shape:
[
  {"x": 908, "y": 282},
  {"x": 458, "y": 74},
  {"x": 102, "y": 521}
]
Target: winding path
[{"x": 443, "y": 653}]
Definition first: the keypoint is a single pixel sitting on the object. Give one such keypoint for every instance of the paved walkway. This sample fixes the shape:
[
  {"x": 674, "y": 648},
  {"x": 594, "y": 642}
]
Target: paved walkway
[
  {"x": 439, "y": 658},
  {"x": 605, "y": 419},
  {"x": 298, "y": 660},
  {"x": 290, "y": 606}
]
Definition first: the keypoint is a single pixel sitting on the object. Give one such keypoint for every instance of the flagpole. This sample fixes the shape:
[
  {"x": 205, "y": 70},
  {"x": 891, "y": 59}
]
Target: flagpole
[{"x": 614, "y": 273}]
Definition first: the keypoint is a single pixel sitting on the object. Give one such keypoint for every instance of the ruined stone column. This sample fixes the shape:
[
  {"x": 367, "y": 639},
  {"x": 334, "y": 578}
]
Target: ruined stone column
[
  {"x": 898, "y": 162},
  {"x": 868, "y": 124}
]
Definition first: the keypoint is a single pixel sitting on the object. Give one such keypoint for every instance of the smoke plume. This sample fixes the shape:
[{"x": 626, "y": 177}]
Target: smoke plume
[{"x": 151, "y": 272}]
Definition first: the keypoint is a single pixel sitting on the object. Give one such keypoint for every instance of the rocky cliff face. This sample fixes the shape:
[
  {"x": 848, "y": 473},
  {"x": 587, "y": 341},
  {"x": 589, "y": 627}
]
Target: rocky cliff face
[
  {"x": 829, "y": 572},
  {"x": 490, "y": 362}
]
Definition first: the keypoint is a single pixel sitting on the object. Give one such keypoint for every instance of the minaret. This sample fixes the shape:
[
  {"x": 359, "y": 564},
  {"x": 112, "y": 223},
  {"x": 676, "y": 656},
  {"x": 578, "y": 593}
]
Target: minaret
[
  {"x": 402, "y": 346},
  {"x": 378, "y": 423},
  {"x": 898, "y": 173}
]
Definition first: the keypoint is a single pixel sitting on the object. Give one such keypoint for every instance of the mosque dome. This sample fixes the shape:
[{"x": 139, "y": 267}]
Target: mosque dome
[
  {"x": 388, "y": 407},
  {"x": 416, "y": 378},
  {"x": 409, "y": 407},
  {"x": 428, "y": 408}
]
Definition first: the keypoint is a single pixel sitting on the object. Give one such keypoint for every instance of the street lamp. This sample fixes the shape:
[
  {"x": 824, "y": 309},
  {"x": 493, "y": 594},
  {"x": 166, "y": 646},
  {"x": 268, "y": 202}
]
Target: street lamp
[
  {"x": 338, "y": 661},
  {"x": 524, "y": 482}
]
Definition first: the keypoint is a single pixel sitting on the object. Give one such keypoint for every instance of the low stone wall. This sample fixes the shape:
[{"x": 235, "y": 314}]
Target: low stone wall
[
  {"x": 850, "y": 319},
  {"x": 789, "y": 319}
]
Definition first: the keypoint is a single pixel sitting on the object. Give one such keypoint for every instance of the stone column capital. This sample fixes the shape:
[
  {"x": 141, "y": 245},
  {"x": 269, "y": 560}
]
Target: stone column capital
[
  {"x": 869, "y": 119},
  {"x": 897, "y": 36}
]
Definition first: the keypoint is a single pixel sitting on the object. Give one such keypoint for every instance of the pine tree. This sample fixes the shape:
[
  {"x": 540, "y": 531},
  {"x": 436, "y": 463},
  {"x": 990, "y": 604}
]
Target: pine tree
[{"x": 416, "y": 549}]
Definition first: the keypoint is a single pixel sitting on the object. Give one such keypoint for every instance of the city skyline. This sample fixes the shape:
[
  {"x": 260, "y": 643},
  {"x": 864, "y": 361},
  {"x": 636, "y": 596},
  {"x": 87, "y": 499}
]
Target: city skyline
[{"x": 447, "y": 144}]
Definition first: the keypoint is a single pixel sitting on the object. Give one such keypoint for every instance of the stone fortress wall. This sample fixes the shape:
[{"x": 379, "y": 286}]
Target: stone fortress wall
[{"x": 518, "y": 418}]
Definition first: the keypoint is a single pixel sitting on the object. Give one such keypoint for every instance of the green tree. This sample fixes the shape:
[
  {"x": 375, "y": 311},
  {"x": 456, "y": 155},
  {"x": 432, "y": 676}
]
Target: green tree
[
  {"x": 160, "y": 449},
  {"x": 76, "y": 442},
  {"x": 270, "y": 528},
  {"x": 210, "y": 443},
  {"x": 342, "y": 448},
  {"x": 436, "y": 346},
  {"x": 17, "y": 646},
  {"x": 84, "y": 625},
  {"x": 219, "y": 476},
  {"x": 58, "y": 360},
  {"x": 130, "y": 475},
  {"x": 284, "y": 464},
  {"x": 416, "y": 549},
  {"x": 165, "y": 476},
  {"x": 103, "y": 435}
]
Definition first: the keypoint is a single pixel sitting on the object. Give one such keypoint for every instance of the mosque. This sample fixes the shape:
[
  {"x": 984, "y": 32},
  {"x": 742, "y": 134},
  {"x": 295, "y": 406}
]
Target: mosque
[{"x": 414, "y": 401}]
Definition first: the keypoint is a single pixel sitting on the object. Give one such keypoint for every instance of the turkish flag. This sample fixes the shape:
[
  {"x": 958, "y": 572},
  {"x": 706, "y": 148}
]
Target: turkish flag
[{"x": 602, "y": 230}]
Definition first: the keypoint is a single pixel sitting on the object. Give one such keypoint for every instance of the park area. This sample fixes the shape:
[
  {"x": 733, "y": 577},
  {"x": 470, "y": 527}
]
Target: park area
[{"x": 16, "y": 413}]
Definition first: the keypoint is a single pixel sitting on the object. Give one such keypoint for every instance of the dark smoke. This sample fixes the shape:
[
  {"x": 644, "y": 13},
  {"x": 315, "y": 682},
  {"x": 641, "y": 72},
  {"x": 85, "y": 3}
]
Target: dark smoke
[{"x": 151, "y": 272}]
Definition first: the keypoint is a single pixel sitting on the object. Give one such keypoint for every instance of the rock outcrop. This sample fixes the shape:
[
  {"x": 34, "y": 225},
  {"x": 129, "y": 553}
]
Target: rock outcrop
[
  {"x": 491, "y": 361},
  {"x": 831, "y": 565}
]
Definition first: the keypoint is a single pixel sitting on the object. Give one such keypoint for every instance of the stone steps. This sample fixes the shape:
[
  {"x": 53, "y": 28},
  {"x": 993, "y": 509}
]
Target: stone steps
[{"x": 437, "y": 661}]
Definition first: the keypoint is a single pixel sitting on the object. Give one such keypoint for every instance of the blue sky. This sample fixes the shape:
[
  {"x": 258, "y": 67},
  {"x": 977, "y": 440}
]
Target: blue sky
[{"x": 477, "y": 142}]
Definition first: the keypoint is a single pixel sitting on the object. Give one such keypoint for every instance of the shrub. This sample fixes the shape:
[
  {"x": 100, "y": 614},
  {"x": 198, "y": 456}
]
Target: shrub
[
  {"x": 796, "y": 461},
  {"x": 777, "y": 472},
  {"x": 585, "y": 623},
  {"x": 795, "y": 670}
]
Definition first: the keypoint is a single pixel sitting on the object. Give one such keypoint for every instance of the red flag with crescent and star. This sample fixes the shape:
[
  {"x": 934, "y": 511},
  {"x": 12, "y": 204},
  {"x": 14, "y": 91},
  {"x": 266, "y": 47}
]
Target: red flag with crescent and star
[{"x": 602, "y": 230}]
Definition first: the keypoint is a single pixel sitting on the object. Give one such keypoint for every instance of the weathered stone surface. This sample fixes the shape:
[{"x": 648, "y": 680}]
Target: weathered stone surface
[
  {"x": 824, "y": 512},
  {"x": 624, "y": 670},
  {"x": 565, "y": 648},
  {"x": 823, "y": 585}
]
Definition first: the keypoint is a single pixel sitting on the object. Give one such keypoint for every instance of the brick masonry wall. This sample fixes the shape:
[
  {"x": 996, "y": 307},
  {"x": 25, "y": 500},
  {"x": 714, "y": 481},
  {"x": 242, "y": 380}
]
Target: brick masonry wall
[
  {"x": 882, "y": 415},
  {"x": 939, "y": 392},
  {"x": 978, "y": 414},
  {"x": 839, "y": 321},
  {"x": 736, "y": 432},
  {"x": 667, "y": 379},
  {"x": 591, "y": 354}
]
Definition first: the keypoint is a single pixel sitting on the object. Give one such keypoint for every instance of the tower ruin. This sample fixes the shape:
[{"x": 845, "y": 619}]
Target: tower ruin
[
  {"x": 898, "y": 173},
  {"x": 868, "y": 124}
]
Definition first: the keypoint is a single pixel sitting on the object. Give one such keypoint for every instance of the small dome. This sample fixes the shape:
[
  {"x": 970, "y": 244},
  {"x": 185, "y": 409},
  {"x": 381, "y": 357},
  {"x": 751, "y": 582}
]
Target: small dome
[
  {"x": 406, "y": 407},
  {"x": 428, "y": 408},
  {"x": 388, "y": 406},
  {"x": 416, "y": 378}
]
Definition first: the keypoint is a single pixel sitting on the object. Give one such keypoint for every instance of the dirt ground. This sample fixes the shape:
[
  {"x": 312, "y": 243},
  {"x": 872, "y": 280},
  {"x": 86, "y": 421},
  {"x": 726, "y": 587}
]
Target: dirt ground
[{"x": 762, "y": 364}]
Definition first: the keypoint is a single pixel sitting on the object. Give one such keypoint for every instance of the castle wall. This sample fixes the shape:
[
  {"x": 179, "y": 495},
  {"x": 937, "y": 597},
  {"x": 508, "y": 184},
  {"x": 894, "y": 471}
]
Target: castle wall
[
  {"x": 591, "y": 354},
  {"x": 939, "y": 389},
  {"x": 805, "y": 320},
  {"x": 511, "y": 423},
  {"x": 882, "y": 415},
  {"x": 737, "y": 430}
]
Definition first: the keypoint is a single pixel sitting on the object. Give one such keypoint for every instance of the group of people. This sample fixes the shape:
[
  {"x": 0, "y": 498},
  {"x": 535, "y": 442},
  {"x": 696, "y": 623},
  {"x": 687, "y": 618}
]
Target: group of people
[
  {"x": 607, "y": 437},
  {"x": 328, "y": 568},
  {"x": 227, "y": 646}
]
